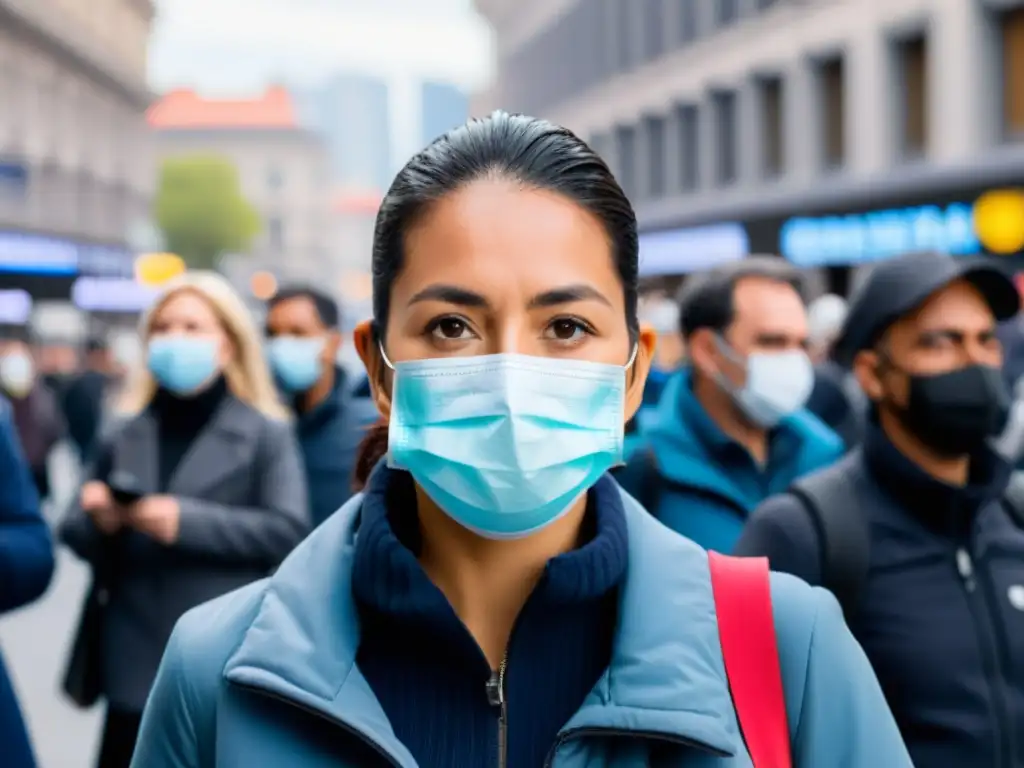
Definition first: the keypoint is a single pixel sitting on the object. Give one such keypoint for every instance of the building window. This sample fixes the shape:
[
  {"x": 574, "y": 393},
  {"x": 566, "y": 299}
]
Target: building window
[
  {"x": 723, "y": 104},
  {"x": 625, "y": 154},
  {"x": 688, "y": 126},
  {"x": 833, "y": 112},
  {"x": 1013, "y": 73},
  {"x": 772, "y": 127},
  {"x": 654, "y": 128},
  {"x": 275, "y": 233},
  {"x": 727, "y": 12},
  {"x": 654, "y": 29},
  {"x": 912, "y": 107},
  {"x": 688, "y": 20},
  {"x": 275, "y": 179}
]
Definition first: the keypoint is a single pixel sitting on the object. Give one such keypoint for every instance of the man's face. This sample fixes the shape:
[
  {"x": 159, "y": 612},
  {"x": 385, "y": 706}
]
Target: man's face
[
  {"x": 953, "y": 329},
  {"x": 769, "y": 317},
  {"x": 299, "y": 318}
]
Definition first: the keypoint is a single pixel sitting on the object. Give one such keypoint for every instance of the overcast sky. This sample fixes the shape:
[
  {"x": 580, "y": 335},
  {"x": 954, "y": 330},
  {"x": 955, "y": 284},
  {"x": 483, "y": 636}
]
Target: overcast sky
[{"x": 233, "y": 46}]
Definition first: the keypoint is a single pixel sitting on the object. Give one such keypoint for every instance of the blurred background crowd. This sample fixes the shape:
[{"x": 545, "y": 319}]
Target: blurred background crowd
[{"x": 141, "y": 139}]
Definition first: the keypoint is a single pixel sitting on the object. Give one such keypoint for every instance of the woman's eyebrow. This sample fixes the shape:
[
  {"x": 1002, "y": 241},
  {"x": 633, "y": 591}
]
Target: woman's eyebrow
[
  {"x": 450, "y": 294},
  {"x": 567, "y": 295}
]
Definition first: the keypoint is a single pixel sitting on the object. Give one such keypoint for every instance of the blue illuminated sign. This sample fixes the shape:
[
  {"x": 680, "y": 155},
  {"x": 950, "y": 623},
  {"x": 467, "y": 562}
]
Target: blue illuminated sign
[
  {"x": 30, "y": 254},
  {"x": 678, "y": 251},
  {"x": 879, "y": 235},
  {"x": 36, "y": 255}
]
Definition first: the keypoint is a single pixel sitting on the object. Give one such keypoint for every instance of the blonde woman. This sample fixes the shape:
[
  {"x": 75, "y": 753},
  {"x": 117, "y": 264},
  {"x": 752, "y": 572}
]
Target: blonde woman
[{"x": 198, "y": 491}]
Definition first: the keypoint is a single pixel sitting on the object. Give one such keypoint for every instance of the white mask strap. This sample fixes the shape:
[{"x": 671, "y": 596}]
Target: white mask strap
[{"x": 632, "y": 357}]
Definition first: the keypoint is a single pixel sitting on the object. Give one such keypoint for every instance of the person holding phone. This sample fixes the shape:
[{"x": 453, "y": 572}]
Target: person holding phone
[{"x": 197, "y": 491}]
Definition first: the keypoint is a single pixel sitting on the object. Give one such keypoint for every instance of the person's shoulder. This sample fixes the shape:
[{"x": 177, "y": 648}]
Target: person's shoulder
[
  {"x": 206, "y": 636},
  {"x": 271, "y": 427},
  {"x": 820, "y": 443},
  {"x": 805, "y": 618},
  {"x": 796, "y": 606},
  {"x": 781, "y": 510},
  {"x": 835, "y": 706}
]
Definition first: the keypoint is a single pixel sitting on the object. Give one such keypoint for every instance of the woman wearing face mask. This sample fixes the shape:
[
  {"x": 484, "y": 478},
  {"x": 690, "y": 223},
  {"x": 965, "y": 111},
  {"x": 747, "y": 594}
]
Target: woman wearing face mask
[
  {"x": 199, "y": 491},
  {"x": 493, "y": 598}
]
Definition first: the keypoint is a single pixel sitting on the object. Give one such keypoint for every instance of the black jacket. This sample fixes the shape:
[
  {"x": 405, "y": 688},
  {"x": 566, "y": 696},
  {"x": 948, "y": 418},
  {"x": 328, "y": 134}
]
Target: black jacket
[
  {"x": 83, "y": 400},
  {"x": 243, "y": 507},
  {"x": 941, "y": 615}
]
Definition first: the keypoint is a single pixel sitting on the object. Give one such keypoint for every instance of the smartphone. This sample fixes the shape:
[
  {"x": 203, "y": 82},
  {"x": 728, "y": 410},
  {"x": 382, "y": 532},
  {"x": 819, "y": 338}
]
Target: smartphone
[{"x": 125, "y": 488}]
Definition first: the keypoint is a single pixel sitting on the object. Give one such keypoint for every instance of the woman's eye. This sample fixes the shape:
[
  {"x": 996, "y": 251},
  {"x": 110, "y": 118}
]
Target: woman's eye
[
  {"x": 450, "y": 328},
  {"x": 566, "y": 330}
]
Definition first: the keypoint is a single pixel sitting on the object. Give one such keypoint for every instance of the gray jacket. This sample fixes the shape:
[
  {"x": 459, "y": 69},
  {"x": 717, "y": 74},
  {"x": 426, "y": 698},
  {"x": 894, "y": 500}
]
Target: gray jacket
[{"x": 243, "y": 500}]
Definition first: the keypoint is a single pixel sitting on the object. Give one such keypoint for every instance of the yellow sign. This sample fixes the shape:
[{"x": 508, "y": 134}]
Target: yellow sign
[
  {"x": 999, "y": 221},
  {"x": 155, "y": 269}
]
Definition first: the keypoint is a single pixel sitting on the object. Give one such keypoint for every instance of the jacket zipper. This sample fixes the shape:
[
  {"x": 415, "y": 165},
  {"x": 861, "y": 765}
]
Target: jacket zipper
[
  {"x": 496, "y": 698},
  {"x": 577, "y": 733},
  {"x": 384, "y": 754},
  {"x": 984, "y": 624}
]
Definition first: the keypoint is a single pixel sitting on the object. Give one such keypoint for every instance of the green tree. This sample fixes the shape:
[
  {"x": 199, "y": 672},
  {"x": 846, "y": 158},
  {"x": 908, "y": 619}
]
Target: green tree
[{"x": 201, "y": 211}]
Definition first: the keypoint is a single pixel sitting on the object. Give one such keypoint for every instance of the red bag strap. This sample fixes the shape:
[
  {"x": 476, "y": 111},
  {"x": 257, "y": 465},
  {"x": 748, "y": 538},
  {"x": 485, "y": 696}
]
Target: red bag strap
[{"x": 746, "y": 628}]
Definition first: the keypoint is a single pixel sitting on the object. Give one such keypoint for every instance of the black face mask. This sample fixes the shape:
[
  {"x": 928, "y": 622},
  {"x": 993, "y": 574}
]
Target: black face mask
[{"x": 953, "y": 413}]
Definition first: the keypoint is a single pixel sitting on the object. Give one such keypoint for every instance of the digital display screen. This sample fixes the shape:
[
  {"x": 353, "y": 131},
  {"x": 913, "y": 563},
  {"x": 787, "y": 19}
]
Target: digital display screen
[
  {"x": 105, "y": 294},
  {"x": 679, "y": 251}
]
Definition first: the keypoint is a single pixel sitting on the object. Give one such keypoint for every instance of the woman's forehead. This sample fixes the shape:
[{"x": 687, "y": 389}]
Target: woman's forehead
[
  {"x": 185, "y": 302},
  {"x": 497, "y": 233}
]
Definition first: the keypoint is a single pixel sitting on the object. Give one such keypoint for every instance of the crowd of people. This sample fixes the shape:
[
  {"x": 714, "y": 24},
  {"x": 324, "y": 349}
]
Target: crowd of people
[{"x": 525, "y": 536}]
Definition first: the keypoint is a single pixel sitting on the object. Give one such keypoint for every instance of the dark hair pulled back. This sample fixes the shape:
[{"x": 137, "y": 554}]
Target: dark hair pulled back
[{"x": 532, "y": 152}]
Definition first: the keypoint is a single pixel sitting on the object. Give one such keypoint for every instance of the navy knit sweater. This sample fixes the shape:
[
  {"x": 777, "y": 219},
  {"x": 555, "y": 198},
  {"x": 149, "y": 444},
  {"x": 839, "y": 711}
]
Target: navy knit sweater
[{"x": 430, "y": 675}]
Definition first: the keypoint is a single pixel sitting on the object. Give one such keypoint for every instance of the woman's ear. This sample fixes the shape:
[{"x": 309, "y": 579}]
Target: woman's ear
[
  {"x": 367, "y": 345},
  {"x": 636, "y": 375}
]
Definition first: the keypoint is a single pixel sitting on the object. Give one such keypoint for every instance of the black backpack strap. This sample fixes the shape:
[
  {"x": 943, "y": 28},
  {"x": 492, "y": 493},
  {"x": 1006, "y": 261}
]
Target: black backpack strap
[
  {"x": 1013, "y": 498},
  {"x": 831, "y": 498}
]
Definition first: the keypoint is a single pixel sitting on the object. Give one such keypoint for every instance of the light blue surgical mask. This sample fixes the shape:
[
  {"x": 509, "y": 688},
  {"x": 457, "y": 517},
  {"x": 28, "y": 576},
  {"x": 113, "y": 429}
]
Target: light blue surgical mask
[
  {"x": 296, "y": 361},
  {"x": 778, "y": 384},
  {"x": 183, "y": 364},
  {"x": 505, "y": 444}
]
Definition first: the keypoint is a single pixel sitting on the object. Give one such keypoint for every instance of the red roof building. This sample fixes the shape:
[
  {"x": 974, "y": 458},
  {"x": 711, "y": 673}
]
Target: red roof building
[{"x": 184, "y": 109}]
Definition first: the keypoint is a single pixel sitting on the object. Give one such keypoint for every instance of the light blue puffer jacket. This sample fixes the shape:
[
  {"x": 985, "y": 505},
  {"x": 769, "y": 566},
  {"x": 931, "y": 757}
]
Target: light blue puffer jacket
[{"x": 244, "y": 676}]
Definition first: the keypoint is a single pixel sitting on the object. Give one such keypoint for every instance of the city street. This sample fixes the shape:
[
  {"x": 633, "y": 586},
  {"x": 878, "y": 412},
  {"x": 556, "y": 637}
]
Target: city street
[{"x": 34, "y": 642}]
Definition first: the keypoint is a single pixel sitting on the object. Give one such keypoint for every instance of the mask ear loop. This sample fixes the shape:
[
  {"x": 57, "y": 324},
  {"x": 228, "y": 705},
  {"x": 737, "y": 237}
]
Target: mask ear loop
[
  {"x": 632, "y": 357},
  {"x": 384, "y": 356},
  {"x": 625, "y": 369}
]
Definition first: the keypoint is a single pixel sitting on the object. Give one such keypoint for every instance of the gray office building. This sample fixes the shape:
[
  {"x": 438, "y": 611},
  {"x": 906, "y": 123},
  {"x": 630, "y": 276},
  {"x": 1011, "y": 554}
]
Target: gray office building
[
  {"x": 352, "y": 114},
  {"x": 832, "y": 132},
  {"x": 443, "y": 106}
]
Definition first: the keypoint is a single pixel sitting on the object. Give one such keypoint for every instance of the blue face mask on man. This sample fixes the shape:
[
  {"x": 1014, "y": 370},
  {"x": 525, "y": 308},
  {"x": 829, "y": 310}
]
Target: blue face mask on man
[
  {"x": 296, "y": 362},
  {"x": 183, "y": 364},
  {"x": 505, "y": 444}
]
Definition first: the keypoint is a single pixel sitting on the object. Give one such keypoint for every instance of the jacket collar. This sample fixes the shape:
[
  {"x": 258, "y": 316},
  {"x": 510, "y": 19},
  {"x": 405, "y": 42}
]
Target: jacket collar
[{"x": 666, "y": 679}]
